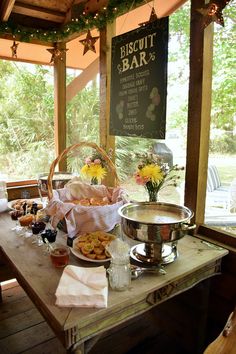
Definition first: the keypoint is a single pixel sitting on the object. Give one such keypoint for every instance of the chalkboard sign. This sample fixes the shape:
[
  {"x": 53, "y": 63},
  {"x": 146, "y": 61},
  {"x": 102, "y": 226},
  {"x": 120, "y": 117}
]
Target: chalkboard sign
[{"x": 139, "y": 81}]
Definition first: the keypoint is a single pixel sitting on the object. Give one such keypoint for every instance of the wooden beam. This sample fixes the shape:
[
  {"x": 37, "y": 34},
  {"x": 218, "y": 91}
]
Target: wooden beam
[
  {"x": 33, "y": 41},
  {"x": 60, "y": 105},
  {"x": 170, "y": 6},
  {"x": 67, "y": 17},
  {"x": 6, "y": 9},
  {"x": 107, "y": 141},
  {"x": 76, "y": 2},
  {"x": 200, "y": 85},
  {"x": 38, "y": 12},
  {"x": 23, "y": 60},
  {"x": 205, "y": 123},
  {"x": 81, "y": 81},
  {"x": 69, "y": 11}
]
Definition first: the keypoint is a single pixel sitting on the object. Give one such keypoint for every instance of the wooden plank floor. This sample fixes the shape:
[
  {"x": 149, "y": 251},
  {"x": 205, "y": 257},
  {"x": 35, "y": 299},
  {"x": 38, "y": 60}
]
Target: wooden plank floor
[{"x": 23, "y": 330}]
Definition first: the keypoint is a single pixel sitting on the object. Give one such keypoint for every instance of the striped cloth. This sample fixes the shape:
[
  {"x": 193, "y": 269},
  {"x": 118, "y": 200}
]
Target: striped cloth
[{"x": 213, "y": 178}]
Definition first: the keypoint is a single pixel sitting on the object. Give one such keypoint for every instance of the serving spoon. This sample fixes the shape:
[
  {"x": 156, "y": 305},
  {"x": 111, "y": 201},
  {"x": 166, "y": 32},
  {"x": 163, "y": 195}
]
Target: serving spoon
[{"x": 137, "y": 271}]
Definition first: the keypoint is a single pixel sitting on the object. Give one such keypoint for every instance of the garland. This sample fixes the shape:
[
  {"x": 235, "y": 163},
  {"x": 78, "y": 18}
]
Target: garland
[{"x": 84, "y": 22}]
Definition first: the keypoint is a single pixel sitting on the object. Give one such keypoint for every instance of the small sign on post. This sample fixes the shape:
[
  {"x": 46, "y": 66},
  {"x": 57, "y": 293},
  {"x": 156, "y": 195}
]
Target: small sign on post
[{"x": 139, "y": 81}]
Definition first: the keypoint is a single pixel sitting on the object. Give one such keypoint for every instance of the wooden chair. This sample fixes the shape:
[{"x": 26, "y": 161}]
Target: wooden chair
[
  {"x": 217, "y": 193},
  {"x": 225, "y": 343}
]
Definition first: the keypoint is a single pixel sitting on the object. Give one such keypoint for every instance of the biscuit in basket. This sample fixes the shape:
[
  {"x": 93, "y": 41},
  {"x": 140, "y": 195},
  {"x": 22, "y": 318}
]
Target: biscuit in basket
[
  {"x": 99, "y": 201},
  {"x": 91, "y": 201},
  {"x": 84, "y": 202}
]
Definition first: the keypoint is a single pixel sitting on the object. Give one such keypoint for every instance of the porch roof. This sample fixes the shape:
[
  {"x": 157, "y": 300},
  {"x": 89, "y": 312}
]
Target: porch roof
[{"x": 43, "y": 15}]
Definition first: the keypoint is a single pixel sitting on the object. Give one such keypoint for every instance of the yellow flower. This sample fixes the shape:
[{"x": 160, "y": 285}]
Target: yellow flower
[
  {"x": 94, "y": 171},
  {"x": 153, "y": 172},
  {"x": 84, "y": 170}
]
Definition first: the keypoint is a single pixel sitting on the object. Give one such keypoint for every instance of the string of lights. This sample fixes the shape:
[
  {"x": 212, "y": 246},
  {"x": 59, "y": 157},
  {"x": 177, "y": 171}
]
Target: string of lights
[{"x": 82, "y": 22}]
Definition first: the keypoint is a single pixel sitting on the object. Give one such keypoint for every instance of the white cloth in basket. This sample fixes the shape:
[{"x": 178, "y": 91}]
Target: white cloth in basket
[
  {"x": 84, "y": 219},
  {"x": 77, "y": 189},
  {"x": 82, "y": 287}
]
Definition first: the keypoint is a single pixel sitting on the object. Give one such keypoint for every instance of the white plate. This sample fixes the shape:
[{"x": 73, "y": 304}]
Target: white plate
[
  {"x": 78, "y": 254},
  {"x": 37, "y": 200},
  {"x": 9, "y": 204}
]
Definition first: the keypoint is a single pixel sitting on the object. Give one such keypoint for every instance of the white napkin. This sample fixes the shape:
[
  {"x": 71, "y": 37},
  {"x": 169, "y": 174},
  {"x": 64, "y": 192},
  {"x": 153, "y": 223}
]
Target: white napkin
[{"x": 82, "y": 287}]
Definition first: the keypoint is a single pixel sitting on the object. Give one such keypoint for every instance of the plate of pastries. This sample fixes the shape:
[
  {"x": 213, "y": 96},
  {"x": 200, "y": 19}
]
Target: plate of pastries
[
  {"x": 25, "y": 210},
  {"x": 92, "y": 246},
  {"x": 20, "y": 204}
]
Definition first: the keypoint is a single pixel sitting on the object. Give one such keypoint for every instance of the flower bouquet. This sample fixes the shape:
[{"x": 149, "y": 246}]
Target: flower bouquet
[
  {"x": 154, "y": 174},
  {"x": 94, "y": 168}
]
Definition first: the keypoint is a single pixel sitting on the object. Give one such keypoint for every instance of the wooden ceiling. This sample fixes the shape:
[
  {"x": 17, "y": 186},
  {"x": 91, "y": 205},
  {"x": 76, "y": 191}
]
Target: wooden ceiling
[
  {"x": 49, "y": 21},
  {"x": 53, "y": 15},
  {"x": 45, "y": 14}
]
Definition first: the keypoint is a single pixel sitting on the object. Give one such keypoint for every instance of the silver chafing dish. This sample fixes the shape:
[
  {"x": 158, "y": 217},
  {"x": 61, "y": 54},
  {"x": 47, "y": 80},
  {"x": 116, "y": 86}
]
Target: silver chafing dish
[
  {"x": 156, "y": 227},
  {"x": 58, "y": 181}
]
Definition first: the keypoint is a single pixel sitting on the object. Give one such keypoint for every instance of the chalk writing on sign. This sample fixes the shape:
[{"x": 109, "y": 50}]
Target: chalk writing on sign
[{"x": 139, "y": 81}]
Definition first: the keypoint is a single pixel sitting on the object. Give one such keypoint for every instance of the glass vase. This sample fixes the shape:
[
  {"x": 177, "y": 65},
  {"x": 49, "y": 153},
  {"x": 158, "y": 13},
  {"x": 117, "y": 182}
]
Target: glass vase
[
  {"x": 153, "y": 196},
  {"x": 94, "y": 181}
]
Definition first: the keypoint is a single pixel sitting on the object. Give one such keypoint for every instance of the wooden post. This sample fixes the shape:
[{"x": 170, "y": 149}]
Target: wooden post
[
  {"x": 106, "y": 141},
  {"x": 200, "y": 84},
  {"x": 60, "y": 104}
]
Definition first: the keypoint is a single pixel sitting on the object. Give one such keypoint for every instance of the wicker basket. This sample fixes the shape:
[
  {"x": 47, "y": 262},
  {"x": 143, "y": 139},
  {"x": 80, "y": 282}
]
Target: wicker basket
[{"x": 66, "y": 152}]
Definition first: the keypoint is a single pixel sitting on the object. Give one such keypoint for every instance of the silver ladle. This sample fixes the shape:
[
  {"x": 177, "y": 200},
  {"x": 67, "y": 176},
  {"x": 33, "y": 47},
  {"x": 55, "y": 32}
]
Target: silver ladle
[{"x": 137, "y": 271}]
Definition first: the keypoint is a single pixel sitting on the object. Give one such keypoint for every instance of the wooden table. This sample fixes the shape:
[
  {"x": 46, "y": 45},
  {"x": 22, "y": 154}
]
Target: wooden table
[{"x": 77, "y": 328}]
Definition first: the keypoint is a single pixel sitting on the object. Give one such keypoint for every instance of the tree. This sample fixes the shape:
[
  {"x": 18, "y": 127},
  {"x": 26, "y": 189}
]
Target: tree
[
  {"x": 26, "y": 120},
  {"x": 224, "y": 73},
  {"x": 27, "y": 104}
]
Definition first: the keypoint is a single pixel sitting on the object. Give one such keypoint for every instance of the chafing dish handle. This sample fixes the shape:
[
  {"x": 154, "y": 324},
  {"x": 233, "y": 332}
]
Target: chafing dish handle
[{"x": 186, "y": 227}]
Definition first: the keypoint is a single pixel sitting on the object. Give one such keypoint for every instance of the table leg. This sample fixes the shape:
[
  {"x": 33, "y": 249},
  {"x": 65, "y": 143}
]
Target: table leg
[
  {"x": 76, "y": 349},
  {"x": 84, "y": 348}
]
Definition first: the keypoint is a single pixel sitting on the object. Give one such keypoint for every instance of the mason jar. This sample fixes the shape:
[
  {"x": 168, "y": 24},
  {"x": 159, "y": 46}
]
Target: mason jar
[{"x": 119, "y": 274}]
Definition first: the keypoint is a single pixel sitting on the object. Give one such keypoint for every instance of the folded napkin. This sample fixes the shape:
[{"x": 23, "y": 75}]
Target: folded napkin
[{"x": 82, "y": 287}]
